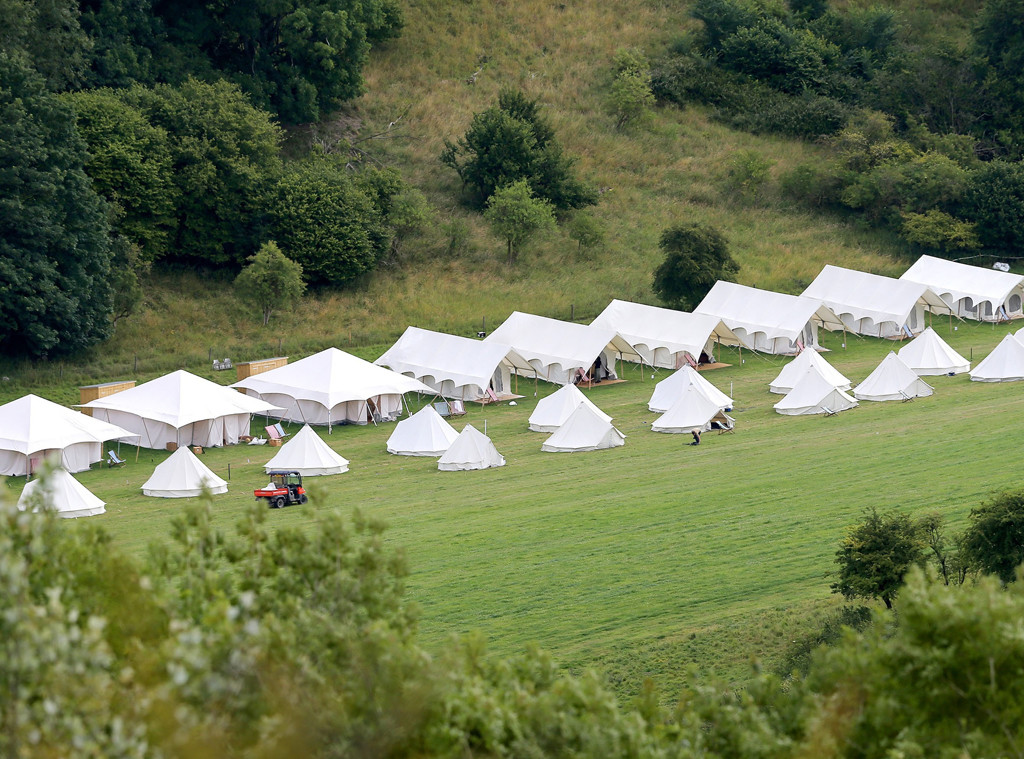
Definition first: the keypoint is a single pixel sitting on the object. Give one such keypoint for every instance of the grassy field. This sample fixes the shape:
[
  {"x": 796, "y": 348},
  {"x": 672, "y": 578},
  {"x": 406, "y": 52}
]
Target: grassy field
[{"x": 656, "y": 556}]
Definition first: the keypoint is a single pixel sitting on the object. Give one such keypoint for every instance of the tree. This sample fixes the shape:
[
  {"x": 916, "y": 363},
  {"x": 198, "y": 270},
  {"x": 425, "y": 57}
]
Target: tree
[
  {"x": 875, "y": 556},
  {"x": 696, "y": 256},
  {"x": 994, "y": 538},
  {"x": 631, "y": 97},
  {"x": 54, "y": 239},
  {"x": 585, "y": 230},
  {"x": 225, "y": 157},
  {"x": 994, "y": 202},
  {"x": 49, "y": 34},
  {"x": 272, "y": 279},
  {"x": 516, "y": 215},
  {"x": 328, "y": 224},
  {"x": 509, "y": 142}
]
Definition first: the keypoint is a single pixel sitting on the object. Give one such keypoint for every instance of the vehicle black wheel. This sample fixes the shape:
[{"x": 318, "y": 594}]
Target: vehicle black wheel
[
  {"x": 279, "y": 502},
  {"x": 302, "y": 498}
]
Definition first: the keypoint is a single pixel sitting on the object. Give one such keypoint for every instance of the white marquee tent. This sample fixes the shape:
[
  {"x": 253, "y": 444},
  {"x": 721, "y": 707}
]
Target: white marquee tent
[
  {"x": 558, "y": 350},
  {"x": 814, "y": 394},
  {"x": 182, "y": 475},
  {"x": 586, "y": 429},
  {"x": 930, "y": 355},
  {"x": 892, "y": 380},
  {"x": 552, "y": 411},
  {"x": 307, "y": 454},
  {"x": 870, "y": 304},
  {"x": 182, "y": 409},
  {"x": 796, "y": 368},
  {"x": 693, "y": 411},
  {"x": 33, "y": 428},
  {"x": 453, "y": 366},
  {"x": 1004, "y": 364},
  {"x": 425, "y": 433},
  {"x": 472, "y": 449},
  {"x": 59, "y": 491},
  {"x": 333, "y": 387},
  {"x": 664, "y": 337},
  {"x": 971, "y": 291},
  {"x": 767, "y": 321},
  {"x": 668, "y": 391}
]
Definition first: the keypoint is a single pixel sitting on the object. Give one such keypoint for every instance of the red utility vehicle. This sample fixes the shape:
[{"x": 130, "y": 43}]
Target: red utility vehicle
[{"x": 285, "y": 488}]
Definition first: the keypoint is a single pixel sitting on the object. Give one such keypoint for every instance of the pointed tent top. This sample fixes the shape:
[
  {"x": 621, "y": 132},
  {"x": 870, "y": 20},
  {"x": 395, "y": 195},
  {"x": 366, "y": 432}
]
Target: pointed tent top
[
  {"x": 552, "y": 411},
  {"x": 1004, "y": 364},
  {"x": 668, "y": 390},
  {"x": 30, "y": 424},
  {"x": 692, "y": 410},
  {"x": 892, "y": 380},
  {"x": 179, "y": 399},
  {"x": 63, "y": 493},
  {"x": 814, "y": 394},
  {"x": 586, "y": 429},
  {"x": 470, "y": 450},
  {"x": 182, "y": 475},
  {"x": 929, "y": 354},
  {"x": 795, "y": 369},
  {"x": 307, "y": 454},
  {"x": 425, "y": 433}
]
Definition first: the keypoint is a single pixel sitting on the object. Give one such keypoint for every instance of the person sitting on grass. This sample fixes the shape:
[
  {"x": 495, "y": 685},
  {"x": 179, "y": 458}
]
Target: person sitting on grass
[{"x": 696, "y": 437}]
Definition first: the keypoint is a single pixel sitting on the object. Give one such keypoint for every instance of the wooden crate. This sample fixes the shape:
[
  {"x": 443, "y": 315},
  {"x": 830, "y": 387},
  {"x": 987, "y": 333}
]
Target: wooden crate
[
  {"x": 250, "y": 368},
  {"x": 94, "y": 392}
]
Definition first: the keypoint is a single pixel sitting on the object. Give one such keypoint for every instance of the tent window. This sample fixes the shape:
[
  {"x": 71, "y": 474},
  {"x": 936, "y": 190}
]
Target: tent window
[
  {"x": 988, "y": 308},
  {"x": 1014, "y": 303},
  {"x": 913, "y": 319}
]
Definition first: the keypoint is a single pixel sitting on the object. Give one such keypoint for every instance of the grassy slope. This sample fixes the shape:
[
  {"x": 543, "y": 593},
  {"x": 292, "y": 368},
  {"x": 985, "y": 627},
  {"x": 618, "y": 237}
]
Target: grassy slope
[{"x": 656, "y": 556}]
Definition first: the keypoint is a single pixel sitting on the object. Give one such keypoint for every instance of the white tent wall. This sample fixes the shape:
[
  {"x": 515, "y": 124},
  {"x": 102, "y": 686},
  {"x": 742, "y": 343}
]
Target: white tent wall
[
  {"x": 389, "y": 408},
  {"x": 61, "y": 492},
  {"x": 77, "y": 457},
  {"x": 208, "y": 433},
  {"x": 972, "y": 292}
]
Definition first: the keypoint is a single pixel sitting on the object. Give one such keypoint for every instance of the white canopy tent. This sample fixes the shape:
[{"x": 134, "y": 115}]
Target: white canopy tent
[
  {"x": 664, "y": 337},
  {"x": 182, "y": 409},
  {"x": 1004, "y": 364},
  {"x": 308, "y": 455},
  {"x": 586, "y": 429},
  {"x": 668, "y": 391},
  {"x": 182, "y": 475},
  {"x": 870, "y": 304},
  {"x": 814, "y": 394},
  {"x": 693, "y": 411},
  {"x": 62, "y": 493},
  {"x": 453, "y": 366},
  {"x": 33, "y": 428},
  {"x": 333, "y": 387},
  {"x": 795, "y": 369},
  {"x": 971, "y": 291},
  {"x": 552, "y": 412},
  {"x": 930, "y": 355},
  {"x": 892, "y": 380},
  {"x": 767, "y": 321},
  {"x": 472, "y": 449},
  {"x": 425, "y": 433},
  {"x": 557, "y": 350}
]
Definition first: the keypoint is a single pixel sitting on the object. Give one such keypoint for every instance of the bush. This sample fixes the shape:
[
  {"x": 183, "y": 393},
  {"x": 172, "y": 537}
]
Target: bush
[
  {"x": 690, "y": 78},
  {"x": 937, "y": 230},
  {"x": 995, "y": 203},
  {"x": 759, "y": 109},
  {"x": 696, "y": 256}
]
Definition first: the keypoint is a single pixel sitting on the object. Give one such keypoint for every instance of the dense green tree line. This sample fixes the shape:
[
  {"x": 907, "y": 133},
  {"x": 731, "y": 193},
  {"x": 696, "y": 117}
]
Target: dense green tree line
[
  {"x": 927, "y": 136},
  {"x": 278, "y": 641}
]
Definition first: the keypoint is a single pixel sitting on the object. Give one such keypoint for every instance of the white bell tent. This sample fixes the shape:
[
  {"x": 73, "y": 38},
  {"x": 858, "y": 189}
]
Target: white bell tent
[
  {"x": 333, "y": 387},
  {"x": 62, "y": 493},
  {"x": 767, "y": 321},
  {"x": 796, "y": 368},
  {"x": 33, "y": 429},
  {"x": 453, "y": 366},
  {"x": 182, "y": 409},
  {"x": 425, "y": 433},
  {"x": 586, "y": 429},
  {"x": 693, "y": 411},
  {"x": 870, "y": 304},
  {"x": 552, "y": 411},
  {"x": 892, "y": 380},
  {"x": 307, "y": 454},
  {"x": 664, "y": 337},
  {"x": 971, "y": 291},
  {"x": 668, "y": 391},
  {"x": 559, "y": 351},
  {"x": 1004, "y": 364},
  {"x": 182, "y": 475},
  {"x": 472, "y": 449},
  {"x": 814, "y": 394},
  {"x": 930, "y": 355}
]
